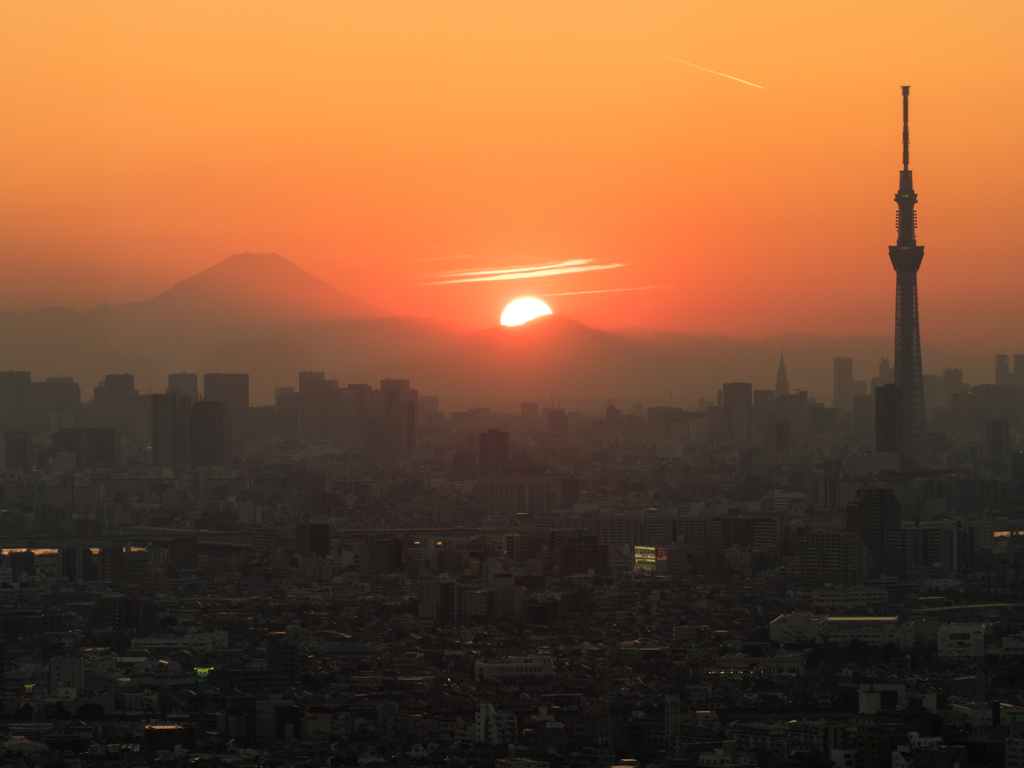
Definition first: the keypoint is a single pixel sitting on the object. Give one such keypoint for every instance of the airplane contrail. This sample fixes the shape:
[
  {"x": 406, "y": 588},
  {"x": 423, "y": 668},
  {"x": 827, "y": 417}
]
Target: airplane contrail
[{"x": 698, "y": 66}]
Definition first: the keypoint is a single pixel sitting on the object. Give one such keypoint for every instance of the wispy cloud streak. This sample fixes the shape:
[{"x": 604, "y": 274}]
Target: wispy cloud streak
[
  {"x": 610, "y": 290},
  {"x": 440, "y": 258},
  {"x": 568, "y": 267},
  {"x": 705, "y": 69}
]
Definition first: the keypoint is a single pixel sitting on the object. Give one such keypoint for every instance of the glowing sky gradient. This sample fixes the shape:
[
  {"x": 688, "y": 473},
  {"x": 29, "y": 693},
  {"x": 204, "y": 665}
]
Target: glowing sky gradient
[{"x": 418, "y": 155}]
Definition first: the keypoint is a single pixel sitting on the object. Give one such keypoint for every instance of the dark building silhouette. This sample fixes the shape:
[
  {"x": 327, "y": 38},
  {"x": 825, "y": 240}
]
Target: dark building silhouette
[
  {"x": 183, "y": 555},
  {"x": 171, "y": 435},
  {"x": 77, "y": 564},
  {"x": 781, "y": 379},
  {"x": 997, "y": 440},
  {"x": 19, "y": 454},
  {"x": 529, "y": 411},
  {"x": 286, "y": 411},
  {"x": 233, "y": 389},
  {"x": 54, "y": 403},
  {"x": 93, "y": 447},
  {"x": 313, "y": 539},
  {"x": 395, "y": 435},
  {"x": 1003, "y": 377},
  {"x": 842, "y": 383},
  {"x": 210, "y": 434},
  {"x": 558, "y": 422},
  {"x": 385, "y": 555},
  {"x": 186, "y": 383},
  {"x": 906, "y": 258},
  {"x": 493, "y": 453},
  {"x": 889, "y": 424},
  {"x": 738, "y": 410},
  {"x": 314, "y": 391}
]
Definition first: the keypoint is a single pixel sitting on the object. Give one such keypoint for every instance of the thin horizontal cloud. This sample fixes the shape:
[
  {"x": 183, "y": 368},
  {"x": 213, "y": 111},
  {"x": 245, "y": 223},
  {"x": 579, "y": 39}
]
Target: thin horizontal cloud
[
  {"x": 440, "y": 258},
  {"x": 611, "y": 290},
  {"x": 568, "y": 267}
]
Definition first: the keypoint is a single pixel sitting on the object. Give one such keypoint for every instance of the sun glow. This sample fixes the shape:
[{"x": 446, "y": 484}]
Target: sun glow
[{"x": 523, "y": 310}]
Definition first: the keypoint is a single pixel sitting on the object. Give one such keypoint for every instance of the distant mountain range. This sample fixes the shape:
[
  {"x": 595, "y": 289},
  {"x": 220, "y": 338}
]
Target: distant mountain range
[{"x": 262, "y": 314}]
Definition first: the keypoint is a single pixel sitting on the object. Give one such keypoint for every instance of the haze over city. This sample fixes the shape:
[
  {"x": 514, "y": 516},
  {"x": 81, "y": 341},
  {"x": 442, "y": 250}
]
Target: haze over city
[{"x": 514, "y": 384}]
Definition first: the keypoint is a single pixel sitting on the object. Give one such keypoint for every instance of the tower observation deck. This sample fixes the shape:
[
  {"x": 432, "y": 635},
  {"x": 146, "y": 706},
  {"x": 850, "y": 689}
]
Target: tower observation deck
[{"x": 906, "y": 258}]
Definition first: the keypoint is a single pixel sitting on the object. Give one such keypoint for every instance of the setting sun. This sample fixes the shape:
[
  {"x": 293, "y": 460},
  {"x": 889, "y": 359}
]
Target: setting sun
[{"x": 523, "y": 310}]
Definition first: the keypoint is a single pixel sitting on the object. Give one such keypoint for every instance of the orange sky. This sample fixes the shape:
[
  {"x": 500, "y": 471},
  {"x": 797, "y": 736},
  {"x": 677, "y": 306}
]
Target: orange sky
[{"x": 381, "y": 145}]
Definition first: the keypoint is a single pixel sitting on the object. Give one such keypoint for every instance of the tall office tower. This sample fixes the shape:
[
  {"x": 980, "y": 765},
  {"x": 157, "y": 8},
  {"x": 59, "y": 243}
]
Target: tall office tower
[
  {"x": 906, "y": 258},
  {"x": 1018, "y": 370},
  {"x": 286, "y": 411},
  {"x": 493, "y": 453},
  {"x": 397, "y": 417},
  {"x": 889, "y": 432},
  {"x": 210, "y": 434},
  {"x": 558, "y": 421},
  {"x": 876, "y": 512},
  {"x": 19, "y": 454},
  {"x": 53, "y": 404},
  {"x": 186, "y": 383},
  {"x": 738, "y": 409},
  {"x": 314, "y": 389},
  {"x": 233, "y": 389},
  {"x": 116, "y": 403},
  {"x": 781, "y": 380},
  {"x": 842, "y": 383},
  {"x": 1003, "y": 370},
  {"x": 172, "y": 437},
  {"x": 15, "y": 387}
]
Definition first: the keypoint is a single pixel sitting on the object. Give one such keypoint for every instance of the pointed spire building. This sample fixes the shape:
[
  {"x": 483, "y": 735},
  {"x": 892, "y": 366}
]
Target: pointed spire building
[{"x": 781, "y": 381}]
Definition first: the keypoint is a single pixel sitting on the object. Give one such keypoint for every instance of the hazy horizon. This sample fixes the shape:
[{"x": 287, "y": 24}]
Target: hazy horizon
[{"x": 413, "y": 155}]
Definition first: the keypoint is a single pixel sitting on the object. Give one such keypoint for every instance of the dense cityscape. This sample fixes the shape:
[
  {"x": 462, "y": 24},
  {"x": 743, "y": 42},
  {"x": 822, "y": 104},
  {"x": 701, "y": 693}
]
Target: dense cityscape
[
  {"x": 355, "y": 573},
  {"x": 679, "y": 555}
]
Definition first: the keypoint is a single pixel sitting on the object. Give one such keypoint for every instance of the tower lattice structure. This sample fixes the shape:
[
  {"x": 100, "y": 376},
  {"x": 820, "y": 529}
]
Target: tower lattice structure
[{"x": 906, "y": 258}]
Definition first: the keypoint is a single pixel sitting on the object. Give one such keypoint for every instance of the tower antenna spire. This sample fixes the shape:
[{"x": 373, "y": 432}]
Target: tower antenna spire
[{"x": 906, "y": 127}]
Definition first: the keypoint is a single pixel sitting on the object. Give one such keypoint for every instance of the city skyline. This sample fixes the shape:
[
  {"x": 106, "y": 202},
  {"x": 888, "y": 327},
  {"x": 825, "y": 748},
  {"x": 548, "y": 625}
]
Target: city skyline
[{"x": 433, "y": 145}]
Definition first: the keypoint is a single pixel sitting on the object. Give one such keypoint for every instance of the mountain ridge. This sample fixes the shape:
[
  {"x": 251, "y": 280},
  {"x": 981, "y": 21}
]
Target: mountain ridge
[{"x": 262, "y": 314}]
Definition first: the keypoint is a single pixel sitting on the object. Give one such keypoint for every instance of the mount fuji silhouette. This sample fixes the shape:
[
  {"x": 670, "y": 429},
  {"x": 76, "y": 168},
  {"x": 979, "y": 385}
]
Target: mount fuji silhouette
[{"x": 262, "y": 314}]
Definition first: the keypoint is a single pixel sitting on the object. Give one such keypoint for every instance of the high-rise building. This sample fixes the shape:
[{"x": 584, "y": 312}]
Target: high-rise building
[
  {"x": 15, "y": 387},
  {"x": 906, "y": 258},
  {"x": 393, "y": 436},
  {"x": 233, "y": 389},
  {"x": 314, "y": 390},
  {"x": 558, "y": 421},
  {"x": 19, "y": 455},
  {"x": 1003, "y": 377},
  {"x": 1018, "y": 371},
  {"x": 781, "y": 380},
  {"x": 738, "y": 410},
  {"x": 286, "y": 411},
  {"x": 531, "y": 411},
  {"x": 889, "y": 426},
  {"x": 493, "y": 453},
  {"x": 116, "y": 403},
  {"x": 210, "y": 434},
  {"x": 171, "y": 434},
  {"x": 186, "y": 383},
  {"x": 876, "y": 512},
  {"x": 842, "y": 383}
]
